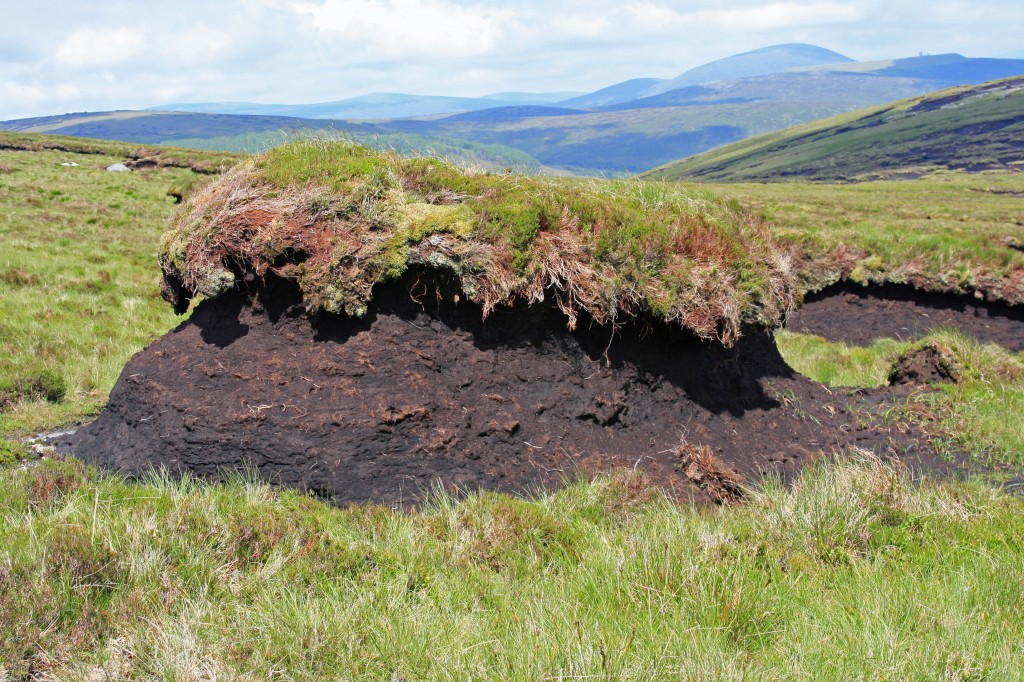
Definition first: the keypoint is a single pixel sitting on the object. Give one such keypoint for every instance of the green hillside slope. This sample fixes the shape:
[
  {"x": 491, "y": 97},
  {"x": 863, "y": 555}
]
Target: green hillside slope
[{"x": 972, "y": 128}]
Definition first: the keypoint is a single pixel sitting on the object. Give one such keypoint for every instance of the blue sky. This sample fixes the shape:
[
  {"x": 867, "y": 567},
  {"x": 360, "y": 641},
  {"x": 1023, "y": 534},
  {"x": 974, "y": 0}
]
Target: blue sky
[{"x": 58, "y": 56}]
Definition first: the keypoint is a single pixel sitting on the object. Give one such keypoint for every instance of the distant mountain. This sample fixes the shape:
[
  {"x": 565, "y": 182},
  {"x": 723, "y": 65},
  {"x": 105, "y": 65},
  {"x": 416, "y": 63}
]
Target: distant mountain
[
  {"x": 760, "y": 62},
  {"x": 614, "y": 94},
  {"x": 950, "y": 69},
  {"x": 852, "y": 90},
  {"x": 373, "y": 106},
  {"x": 973, "y": 128},
  {"x": 592, "y": 134},
  {"x": 511, "y": 114}
]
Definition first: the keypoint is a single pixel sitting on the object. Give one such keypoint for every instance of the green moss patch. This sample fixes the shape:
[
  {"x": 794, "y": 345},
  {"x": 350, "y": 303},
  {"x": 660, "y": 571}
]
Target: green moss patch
[{"x": 340, "y": 218}]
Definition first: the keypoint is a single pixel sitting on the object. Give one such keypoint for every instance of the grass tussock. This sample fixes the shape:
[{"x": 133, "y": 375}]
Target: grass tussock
[
  {"x": 854, "y": 572},
  {"x": 340, "y": 218}
]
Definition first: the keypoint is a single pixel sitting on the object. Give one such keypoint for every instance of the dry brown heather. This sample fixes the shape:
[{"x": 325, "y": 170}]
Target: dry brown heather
[{"x": 340, "y": 218}]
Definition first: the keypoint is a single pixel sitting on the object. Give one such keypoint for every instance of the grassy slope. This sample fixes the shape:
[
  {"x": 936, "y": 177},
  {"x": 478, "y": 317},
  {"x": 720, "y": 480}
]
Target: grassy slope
[
  {"x": 956, "y": 128},
  {"x": 949, "y": 231},
  {"x": 78, "y": 271}
]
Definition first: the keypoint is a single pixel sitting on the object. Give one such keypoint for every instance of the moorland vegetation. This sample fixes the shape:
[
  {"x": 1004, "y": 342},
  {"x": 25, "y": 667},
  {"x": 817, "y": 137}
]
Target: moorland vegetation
[
  {"x": 857, "y": 570},
  {"x": 340, "y": 218}
]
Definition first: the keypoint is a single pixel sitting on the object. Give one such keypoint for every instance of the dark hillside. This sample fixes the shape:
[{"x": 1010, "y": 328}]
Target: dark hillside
[{"x": 969, "y": 128}]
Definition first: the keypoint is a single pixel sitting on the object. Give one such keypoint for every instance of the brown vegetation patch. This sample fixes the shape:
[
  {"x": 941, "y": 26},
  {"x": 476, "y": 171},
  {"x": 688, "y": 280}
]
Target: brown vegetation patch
[
  {"x": 158, "y": 157},
  {"x": 850, "y": 267},
  {"x": 716, "y": 478}
]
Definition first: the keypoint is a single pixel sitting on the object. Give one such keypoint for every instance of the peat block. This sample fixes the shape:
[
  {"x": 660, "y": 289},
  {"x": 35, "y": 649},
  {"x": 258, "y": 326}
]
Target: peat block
[{"x": 424, "y": 392}]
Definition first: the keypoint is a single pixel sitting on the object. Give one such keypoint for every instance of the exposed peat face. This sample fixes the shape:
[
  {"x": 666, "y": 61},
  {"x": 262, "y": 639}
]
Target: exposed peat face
[
  {"x": 425, "y": 392},
  {"x": 857, "y": 315}
]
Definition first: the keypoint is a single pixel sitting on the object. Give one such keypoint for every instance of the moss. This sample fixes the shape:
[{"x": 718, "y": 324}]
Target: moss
[{"x": 341, "y": 218}]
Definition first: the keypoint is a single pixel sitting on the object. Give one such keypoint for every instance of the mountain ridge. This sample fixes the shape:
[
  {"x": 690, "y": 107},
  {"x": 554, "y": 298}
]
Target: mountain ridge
[{"x": 615, "y": 138}]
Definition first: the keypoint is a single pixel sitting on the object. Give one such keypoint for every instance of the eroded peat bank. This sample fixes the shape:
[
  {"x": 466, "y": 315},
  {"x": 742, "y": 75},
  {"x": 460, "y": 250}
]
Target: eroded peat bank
[{"x": 374, "y": 327}]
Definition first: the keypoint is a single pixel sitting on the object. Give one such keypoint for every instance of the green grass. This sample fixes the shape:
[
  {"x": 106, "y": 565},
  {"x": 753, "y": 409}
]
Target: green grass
[
  {"x": 978, "y": 414},
  {"x": 948, "y": 232},
  {"x": 854, "y": 573},
  {"x": 838, "y": 364},
  {"x": 78, "y": 276}
]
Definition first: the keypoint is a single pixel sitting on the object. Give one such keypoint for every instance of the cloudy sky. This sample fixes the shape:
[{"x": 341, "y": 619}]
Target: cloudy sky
[{"x": 58, "y": 56}]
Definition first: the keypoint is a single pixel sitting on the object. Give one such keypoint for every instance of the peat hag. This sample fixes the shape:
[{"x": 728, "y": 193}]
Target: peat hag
[
  {"x": 423, "y": 391},
  {"x": 855, "y": 314},
  {"x": 373, "y": 326}
]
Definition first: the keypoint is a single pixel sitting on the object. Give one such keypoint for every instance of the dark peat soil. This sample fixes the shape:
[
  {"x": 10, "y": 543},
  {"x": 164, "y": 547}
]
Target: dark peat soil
[
  {"x": 423, "y": 392},
  {"x": 857, "y": 315}
]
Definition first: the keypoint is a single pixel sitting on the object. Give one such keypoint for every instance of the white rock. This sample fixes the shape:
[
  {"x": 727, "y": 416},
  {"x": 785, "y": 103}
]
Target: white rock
[{"x": 118, "y": 168}]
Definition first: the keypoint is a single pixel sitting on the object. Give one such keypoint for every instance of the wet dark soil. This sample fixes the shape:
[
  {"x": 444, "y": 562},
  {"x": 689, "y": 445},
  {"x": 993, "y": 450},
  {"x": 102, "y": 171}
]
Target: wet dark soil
[
  {"x": 422, "y": 392},
  {"x": 857, "y": 315}
]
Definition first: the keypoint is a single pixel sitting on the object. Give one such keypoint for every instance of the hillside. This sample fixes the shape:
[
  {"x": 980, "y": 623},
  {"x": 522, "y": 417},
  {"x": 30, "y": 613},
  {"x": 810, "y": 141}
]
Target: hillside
[
  {"x": 970, "y": 128},
  {"x": 248, "y": 133}
]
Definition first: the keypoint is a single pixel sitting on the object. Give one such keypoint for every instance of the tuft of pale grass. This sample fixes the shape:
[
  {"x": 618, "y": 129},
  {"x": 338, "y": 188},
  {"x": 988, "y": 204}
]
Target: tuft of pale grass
[{"x": 854, "y": 571}]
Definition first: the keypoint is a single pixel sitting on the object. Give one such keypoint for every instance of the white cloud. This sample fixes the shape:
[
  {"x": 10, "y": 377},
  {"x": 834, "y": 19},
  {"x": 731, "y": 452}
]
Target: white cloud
[
  {"x": 781, "y": 15},
  {"x": 91, "y": 48},
  {"x": 69, "y": 55},
  {"x": 404, "y": 28},
  {"x": 22, "y": 100},
  {"x": 200, "y": 45}
]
